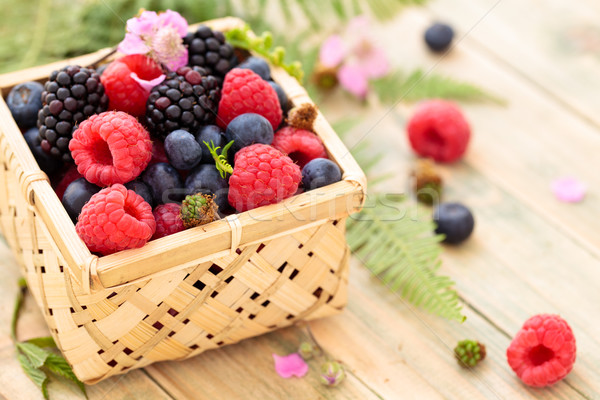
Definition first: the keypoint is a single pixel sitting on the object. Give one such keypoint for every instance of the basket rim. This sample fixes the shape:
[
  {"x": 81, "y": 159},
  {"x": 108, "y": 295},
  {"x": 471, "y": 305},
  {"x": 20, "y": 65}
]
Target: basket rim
[{"x": 174, "y": 252}]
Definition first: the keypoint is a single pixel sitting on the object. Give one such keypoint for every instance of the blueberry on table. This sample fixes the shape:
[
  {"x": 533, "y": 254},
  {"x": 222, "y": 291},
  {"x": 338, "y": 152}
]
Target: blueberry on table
[
  {"x": 24, "y": 101},
  {"x": 165, "y": 183},
  {"x": 206, "y": 179},
  {"x": 455, "y": 221},
  {"x": 320, "y": 172},
  {"x": 439, "y": 37},
  {"x": 209, "y": 134},
  {"x": 283, "y": 99},
  {"x": 76, "y": 195},
  {"x": 247, "y": 129},
  {"x": 183, "y": 151},
  {"x": 47, "y": 163},
  {"x": 142, "y": 189},
  {"x": 258, "y": 66}
]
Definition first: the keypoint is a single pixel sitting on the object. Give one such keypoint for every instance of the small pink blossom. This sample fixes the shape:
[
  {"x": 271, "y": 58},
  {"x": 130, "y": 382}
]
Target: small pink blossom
[
  {"x": 569, "y": 190},
  {"x": 291, "y": 365},
  {"x": 332, "y": 52}
]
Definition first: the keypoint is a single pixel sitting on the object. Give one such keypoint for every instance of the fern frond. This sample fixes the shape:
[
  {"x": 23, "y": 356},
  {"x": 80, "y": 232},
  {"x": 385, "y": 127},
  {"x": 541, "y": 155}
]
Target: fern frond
[{"x": 404, "y": 253}]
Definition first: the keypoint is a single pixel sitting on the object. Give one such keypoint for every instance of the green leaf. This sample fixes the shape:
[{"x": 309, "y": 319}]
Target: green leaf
[
  {"x": 46, "y": 341},
  {"x": 22, "y": 284},
  {"x": 38, "y": 376},
  {"x": 59, "y": 366},
  {"x": 37, "y": 356}
]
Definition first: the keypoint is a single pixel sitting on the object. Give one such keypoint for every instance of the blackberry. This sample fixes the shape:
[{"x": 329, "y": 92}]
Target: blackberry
[
  {"x": 71, "y": 95},
  {"x": 187, "y": 99},
  {"x": 208, "y": 49}
]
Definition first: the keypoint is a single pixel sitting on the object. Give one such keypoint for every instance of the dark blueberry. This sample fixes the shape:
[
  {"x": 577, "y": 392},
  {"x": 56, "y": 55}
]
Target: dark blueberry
[
  {"x": 206, "y": 179},
  {"x": 24, "y": 101},
  {"x": 258, "y": 65},
  {"x": 320, "y": 172},
  {"x": 183, "y": 151},
  {"x": 283, "y": 99},
  {"x": 165, "y": 182},
  {"x": 47, "y": 163},
  {"x": 76, "y": 195},
  {"x": 455, "y": 221},
  {"x": 208, "y": 134},
  {"x": 142, "y": 189},
  {"x": 439, "y": 36},
  {"x": 247, "y": 129}
]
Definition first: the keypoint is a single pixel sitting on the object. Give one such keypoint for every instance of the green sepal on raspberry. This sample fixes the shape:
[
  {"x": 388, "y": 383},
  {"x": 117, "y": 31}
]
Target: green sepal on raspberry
[
  {"x": 221, "y": 161},
  {"x": 198, "y": 209},
  {"x": 469, "y": 353}
]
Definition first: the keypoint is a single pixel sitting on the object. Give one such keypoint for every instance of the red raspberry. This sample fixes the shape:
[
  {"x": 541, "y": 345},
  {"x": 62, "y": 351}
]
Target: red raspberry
[
  {"x": 123, "y": 91},
  {"x": 111, "y": 147},
  {"x": 69, "y": 176},
  {"x": 262, "y": 175},
  {"x": 115, "y": 219},
  {"x": 167, "y": 220},
  {"x": 439, "y": 130},
  {"x": 246, "y": 92},
  {"x": 543, "y": 351},
  {"x": 299, "y": 144}
]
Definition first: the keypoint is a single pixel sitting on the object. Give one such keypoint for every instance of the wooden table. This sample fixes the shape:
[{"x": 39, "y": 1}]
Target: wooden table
[{"x": 529, "y": 254}]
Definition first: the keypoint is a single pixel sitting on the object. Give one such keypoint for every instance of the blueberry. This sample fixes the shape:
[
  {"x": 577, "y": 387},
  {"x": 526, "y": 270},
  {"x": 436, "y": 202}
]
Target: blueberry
[
  {"x": 247, "y": 129},
  {"x": 208, "y": 134},
  {"x": 165, "y": 182},
  {"x": 142, "y": 189},
  {"x": 183, "y": 151},
  {"x": 206, "y": 179},
  {"x": 76, "y": 195},
  {"x": 283, "y": 99},
  {"x": 24, "y": 101},
  {"x": 258, "y": 65},
  {"x": 455, "y": 221},
  {"x": 439, "y": 36},
  {"x": 47, "y": 163},
  {"x": 320, "y": 172}
]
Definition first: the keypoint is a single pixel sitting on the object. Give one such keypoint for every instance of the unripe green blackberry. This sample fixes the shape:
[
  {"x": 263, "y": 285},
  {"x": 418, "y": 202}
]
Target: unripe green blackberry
[
  {"x": 469, "y": 353},
  {"x": 198, "y": 209}
]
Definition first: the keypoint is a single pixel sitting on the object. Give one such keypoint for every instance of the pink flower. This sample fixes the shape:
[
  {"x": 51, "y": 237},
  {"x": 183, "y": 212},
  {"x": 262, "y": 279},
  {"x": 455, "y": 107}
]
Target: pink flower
[
  {"x": 158, "y": 35},
  {"x": 569, "y": 190},
  {"x": 288, "y": 366}
]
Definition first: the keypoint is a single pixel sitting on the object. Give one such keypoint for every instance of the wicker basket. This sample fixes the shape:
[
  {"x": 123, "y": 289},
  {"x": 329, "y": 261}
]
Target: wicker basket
[{"x": 186, "y": 293}]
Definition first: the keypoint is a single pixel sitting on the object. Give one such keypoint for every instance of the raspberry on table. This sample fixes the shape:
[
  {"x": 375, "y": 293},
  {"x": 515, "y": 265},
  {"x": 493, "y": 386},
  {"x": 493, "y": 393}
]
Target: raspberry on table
[
  {"x": 115, "y": 219},
  {"x": 112, "y": 147},
  {"x": 246, "y": 92},
  {"x": 262, "y": 175},
  {"x": 168, "y": 220},
  {"x": 438, "y": 129},
  {"x": 123, "y": 91},
  {"x": 543, "y": 351},
  {"x": 300, "y": 145}
]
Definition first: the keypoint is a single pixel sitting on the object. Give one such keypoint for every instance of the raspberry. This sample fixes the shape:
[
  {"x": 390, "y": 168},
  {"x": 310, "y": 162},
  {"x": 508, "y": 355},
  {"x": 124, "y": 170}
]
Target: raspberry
[
  {"x": 167, "y": 220},
  {"x": 262, "y": 175},
  {"x": 543, "y": 351},
  {"x": 300, "y": 145},
  {"x": 439, "y": 130},
  {"x": 111, "y": 147},
  {"x": 246, "y": 92},
  {"x": 123, "y": 91},
  {"x": 115, "y": 219}
]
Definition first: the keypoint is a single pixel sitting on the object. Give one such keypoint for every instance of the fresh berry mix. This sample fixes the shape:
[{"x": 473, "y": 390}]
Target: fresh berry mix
[
  {"x": 142, "y": 189},
  {"x": 300, "y": 145},
  {"x": 209, "y": 134},
  {"x": 115, "y": 219},
  {"x": 439, "y": 130},
  {"x": 24, "y": 102},
  {"x": 187, "y": 99},
  {"x": 247, "y": 129},
  {"x": 165, "y": 183},
  {"x": 198, "y": 209},
  {"x": 284, "y": 102},
  {"x": 469, "y": 353},
  {"x": 121, "y": 83},
  {"x": 206, "y": 179},
  {"x": 258, "y": 65},
  {"x": 455, "y": 221},
  {"x": 168, "y": 220},
  {"x": 543, "y": 351},
  {"x": 262, "y": 175},
  {"x": 112, "y": 147},
  {"x": 245, "y": 92},
  {"x": 47, "y": 163},
  {"x": 70, "y": 96},
  {"x": 208, "y": 49},
  {"x": 320, "y": 172},
  {"x": 77, "y": 194},
  {"x": 439, "y": 37},
  {"x": 183, "y": 151}
]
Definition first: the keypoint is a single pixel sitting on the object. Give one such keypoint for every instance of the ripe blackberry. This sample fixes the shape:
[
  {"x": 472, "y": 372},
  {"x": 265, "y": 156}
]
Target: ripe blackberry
[
  {"x": 208, "y": 49},
  {"x": 71, "y": 95},
  {"x": 187, "y": 99}
]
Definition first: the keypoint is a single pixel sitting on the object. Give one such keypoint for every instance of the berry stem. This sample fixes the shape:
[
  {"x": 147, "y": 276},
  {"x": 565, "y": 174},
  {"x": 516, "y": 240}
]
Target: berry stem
[{"x": 221, "y": 162}]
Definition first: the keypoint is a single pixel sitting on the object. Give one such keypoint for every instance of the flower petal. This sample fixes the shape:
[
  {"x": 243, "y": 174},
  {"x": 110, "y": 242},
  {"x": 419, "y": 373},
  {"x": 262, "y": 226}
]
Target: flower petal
[
  {"x": 144, "y": 24},
  {"x": 375, "y": 64},
  {"x": 288, "y": 366},
  {"x": 147, "y": 85},
  {"x": 354, "y": 79},
  {"x": 332, "y": 51},
  {"x": 569, "y": 190},
  {"x": 174, "y": 20},
  {"x": 132, "y": 44}
]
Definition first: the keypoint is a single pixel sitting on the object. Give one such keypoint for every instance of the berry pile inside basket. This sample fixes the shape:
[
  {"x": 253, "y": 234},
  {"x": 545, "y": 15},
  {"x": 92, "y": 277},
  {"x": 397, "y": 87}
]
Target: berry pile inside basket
[{"x": 143, "y": 148}]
